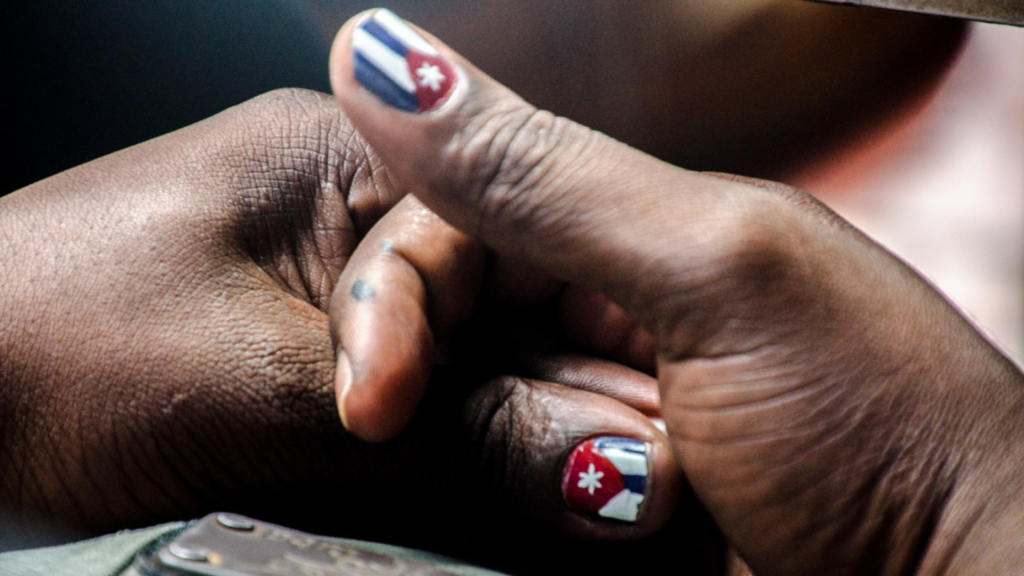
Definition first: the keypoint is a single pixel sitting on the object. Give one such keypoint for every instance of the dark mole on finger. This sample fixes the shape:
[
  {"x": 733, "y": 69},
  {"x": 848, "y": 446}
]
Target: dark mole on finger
[{"x": 362, "y": 290}]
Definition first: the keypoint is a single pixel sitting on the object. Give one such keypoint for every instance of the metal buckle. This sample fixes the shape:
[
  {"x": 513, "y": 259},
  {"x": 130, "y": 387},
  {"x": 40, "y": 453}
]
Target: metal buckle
[{"x": 223, "y": 544}]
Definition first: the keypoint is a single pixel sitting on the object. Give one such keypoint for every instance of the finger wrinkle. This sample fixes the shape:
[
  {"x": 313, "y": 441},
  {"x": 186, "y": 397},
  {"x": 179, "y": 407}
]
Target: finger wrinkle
[{"x": 494, "y": 432}]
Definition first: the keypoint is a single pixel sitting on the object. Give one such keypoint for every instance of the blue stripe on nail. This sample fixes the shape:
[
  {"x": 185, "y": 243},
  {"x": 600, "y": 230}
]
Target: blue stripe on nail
[
  {"x": 385, "y": 88},
  {"x": 385, "y": 37},
  {"x": 635, "y": 483},
  {"x": 624, "y": 444}
]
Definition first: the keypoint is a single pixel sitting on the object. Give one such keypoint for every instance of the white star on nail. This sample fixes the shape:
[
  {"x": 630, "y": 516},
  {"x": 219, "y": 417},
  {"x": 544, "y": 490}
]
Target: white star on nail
[
  {"x": 590, "y": 479},
  {"x": 430, "y": 76}
]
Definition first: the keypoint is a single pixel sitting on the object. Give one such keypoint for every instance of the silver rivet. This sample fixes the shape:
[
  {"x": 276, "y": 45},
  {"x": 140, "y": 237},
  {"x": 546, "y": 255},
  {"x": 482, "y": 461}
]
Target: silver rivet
[
  {"x": 235, "y": 522},
  {"x": 191, "y": 554}
]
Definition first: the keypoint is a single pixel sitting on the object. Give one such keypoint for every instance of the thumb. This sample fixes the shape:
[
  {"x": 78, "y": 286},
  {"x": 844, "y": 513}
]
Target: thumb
[
  {"x": 661, "y": 242},
  {"x": 798, "y": 362},
  {"x": 578, "y": 204}
]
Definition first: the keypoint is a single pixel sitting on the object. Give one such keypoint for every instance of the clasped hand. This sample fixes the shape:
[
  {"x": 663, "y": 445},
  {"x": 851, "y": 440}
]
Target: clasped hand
[{"x": 182, "y": 319}]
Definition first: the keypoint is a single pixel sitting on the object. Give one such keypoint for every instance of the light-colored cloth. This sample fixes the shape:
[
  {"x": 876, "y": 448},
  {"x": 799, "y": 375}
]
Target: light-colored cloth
[{"x": 104, "y": 556}]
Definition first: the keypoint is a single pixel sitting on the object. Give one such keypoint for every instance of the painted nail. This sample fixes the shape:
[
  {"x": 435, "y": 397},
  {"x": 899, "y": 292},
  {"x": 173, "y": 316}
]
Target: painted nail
[
  {"x": 398, "y": 65},
  {"x": 343, "y": 383},
  {"x": 660, "y": 425},
  {"x": 607, "y": 476}
]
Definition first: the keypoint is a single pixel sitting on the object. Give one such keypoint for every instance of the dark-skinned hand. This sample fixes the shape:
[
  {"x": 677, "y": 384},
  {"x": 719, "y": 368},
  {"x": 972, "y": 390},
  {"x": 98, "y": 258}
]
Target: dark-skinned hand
[
  {"x": 165, "y": 351},
  {"x": 833, "y": 412}
]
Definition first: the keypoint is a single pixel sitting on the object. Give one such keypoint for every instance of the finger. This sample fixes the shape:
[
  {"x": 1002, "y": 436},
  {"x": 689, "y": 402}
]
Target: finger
[
  {"x": 411, "y": 278},
  {"x": 617, "y": 381},
  {"x": 787, "y": 342},
  {"x": 573, "y": 459},
  {"x": 605, "y": 329},
  {"x": 577, "y": 204},
  {"x": 480, "y": 473},
  {"x": 696, "y": 260},
  {"x": 634, "y": 389}
]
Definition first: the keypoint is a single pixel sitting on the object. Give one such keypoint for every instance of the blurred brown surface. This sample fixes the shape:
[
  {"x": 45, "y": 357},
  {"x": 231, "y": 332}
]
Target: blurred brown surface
[
  {"x": 944, "y": 187},
  {"x": 756, "y": 87}
]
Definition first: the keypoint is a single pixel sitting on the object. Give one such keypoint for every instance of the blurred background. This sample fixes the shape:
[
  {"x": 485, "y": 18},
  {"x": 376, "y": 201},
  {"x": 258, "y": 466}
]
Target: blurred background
[
  {"x": 910, "y": 126},
  {"x": 943, "y": 188}
]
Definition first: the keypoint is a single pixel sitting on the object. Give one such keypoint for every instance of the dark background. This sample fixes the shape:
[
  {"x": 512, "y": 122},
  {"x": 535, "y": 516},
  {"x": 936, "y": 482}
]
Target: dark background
[
  {"x": 84, "y": 79},
  {"x": 783, "y": 86}
]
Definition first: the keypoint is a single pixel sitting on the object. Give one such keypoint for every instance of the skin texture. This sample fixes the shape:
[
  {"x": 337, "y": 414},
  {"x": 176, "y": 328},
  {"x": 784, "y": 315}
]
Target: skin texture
[
  {"x": 833, "y": 412},
  {"x": 414, "y": 266},
  {"x": 165, "y": 351}
]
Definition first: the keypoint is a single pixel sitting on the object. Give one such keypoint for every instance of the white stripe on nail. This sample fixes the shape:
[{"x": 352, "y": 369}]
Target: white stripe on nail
[{"x": 383, "y": 58}]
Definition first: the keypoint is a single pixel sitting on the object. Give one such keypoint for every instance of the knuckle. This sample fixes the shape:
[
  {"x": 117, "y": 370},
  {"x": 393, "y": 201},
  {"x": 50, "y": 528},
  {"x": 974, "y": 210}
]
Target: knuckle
[
  {"x": 751, "y": 249},
  {"x": 769, "y": 250},
  {"x": 501, "y": 417},
  {"x": 291, "y": 139},
  {"x": 751, "y": 263},
  {"x": 756, "y": 264},
  {"x": 291, "y": 134},
  {"x": 301, "y": 183},
  {"x": 516, "y": 159},
  {"x": 748, "y": 239}
]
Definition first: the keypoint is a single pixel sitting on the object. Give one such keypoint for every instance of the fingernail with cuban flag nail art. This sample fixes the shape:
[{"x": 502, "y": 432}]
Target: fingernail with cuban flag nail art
[
  {"x": 398, "y": 65},
  {"x": 607, "y": 476}
]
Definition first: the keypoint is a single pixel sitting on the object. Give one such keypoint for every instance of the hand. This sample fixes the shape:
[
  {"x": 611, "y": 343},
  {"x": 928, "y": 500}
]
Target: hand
[
  {"x": 414, "y": 279},
  {"x": 834, "y": 413},
  {"x": 165, "y": 352}
]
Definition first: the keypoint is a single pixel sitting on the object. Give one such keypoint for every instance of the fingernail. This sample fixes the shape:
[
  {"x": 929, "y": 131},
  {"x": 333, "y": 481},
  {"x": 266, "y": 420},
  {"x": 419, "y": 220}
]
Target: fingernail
[
  {"x": 660, "y": 425},
  {"x": 607, "y": 476},
  {"x": 398, "y": 65},
  {"x": 343, "y": 383}
]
